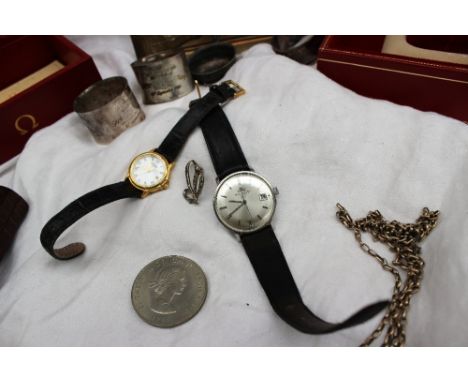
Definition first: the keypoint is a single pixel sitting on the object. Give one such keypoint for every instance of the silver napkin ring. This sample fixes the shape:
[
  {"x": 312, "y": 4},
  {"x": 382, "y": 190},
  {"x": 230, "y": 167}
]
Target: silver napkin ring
[
  {"x": 195, "y": 182},
  {"x": 163, "y": 76},
  {"x": 108, "y": 107}
]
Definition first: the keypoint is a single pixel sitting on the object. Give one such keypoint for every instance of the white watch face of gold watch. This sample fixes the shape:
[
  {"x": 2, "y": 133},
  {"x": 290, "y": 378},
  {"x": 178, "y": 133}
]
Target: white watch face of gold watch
[
  {"x": 148, "y": 170},
  {"x": 244, "y": 202}
]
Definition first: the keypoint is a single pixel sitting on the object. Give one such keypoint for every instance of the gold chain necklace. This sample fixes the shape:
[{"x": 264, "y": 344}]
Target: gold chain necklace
[{"x": 402, "y": 240}]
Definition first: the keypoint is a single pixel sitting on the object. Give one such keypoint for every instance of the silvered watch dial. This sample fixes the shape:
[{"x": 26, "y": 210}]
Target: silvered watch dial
[
  {"x": 148, "y": 170},
  {"x": 244, "y": 202}
]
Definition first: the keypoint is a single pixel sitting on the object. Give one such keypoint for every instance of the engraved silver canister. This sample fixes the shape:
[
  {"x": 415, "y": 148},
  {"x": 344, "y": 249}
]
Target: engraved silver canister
[
  {"x": 108, "y": 107},
  {"x": 163, "y": 76},
  {"x": 147, "y": 45}
]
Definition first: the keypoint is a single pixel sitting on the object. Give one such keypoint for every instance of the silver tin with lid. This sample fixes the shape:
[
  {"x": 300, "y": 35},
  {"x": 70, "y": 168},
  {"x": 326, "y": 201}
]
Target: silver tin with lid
[{"x": 163, "y": 76}]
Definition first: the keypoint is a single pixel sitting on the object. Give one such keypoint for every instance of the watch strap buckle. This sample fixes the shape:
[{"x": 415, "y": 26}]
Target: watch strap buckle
[
  {"x": 238, "y": 90},
  {"x": 228, "y": 90}
]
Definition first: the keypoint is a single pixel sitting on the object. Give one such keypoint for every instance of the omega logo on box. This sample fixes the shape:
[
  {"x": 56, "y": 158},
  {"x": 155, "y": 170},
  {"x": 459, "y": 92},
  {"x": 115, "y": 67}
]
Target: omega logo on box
[{"x": 40, "y": 76}]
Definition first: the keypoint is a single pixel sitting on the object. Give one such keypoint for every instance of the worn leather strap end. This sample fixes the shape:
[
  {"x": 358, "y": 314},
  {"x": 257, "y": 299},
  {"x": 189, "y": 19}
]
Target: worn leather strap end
[
  {"x": 269, "y": 263},
  {"x": 13, "y": 210},
  {"x": 69, "y": 251},
  {"x": 75, "y": 211},
  {"x": 364, "y": 314}
]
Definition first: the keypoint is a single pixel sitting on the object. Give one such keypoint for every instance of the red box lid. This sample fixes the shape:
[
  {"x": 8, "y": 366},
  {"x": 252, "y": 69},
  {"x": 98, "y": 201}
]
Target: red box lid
[
  {"x": 357, "y": 62},
  {"x": 46, "y": 101}
]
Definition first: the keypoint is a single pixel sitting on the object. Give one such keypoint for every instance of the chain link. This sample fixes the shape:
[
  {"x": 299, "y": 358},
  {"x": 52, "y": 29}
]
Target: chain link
[{"x": 402, "y": 239}]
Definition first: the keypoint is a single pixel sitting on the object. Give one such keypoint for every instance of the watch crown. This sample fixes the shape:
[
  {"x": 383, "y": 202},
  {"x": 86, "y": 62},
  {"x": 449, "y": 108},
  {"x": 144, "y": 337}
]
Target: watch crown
[{"x": 275, "y": 191}]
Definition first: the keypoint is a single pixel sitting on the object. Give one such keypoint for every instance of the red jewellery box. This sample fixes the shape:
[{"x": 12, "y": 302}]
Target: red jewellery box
[
  {"x": 40, "y": 76},
  {"x": 429, "y": 73}
]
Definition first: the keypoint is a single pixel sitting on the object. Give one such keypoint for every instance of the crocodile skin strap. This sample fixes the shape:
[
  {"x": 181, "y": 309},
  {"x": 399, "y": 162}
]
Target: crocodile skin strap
[
  {"x": 225, "y": 151},
  {"x": 262, "y": 247},
  {"x": 13, "y": 209},
  {"x": 169, "y": 148},
  {"x": 176, "y": 139},
  {"x": 76, "y": 210},
  {"x": 266, "y": 256}
]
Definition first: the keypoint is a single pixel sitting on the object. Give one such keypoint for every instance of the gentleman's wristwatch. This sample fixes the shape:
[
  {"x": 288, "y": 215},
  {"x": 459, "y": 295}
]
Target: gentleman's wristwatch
[
  {"x": 148, "y": 172},
  {"x": 245, "y": 203}
]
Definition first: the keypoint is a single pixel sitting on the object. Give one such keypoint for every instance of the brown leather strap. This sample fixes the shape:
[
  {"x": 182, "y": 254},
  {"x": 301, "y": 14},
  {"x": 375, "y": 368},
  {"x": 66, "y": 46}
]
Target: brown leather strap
[{"x": 13, "y": 209}]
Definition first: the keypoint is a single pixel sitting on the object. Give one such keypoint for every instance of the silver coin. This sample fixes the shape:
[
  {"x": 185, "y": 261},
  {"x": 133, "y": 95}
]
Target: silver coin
[{"x": 169, "y": 291}]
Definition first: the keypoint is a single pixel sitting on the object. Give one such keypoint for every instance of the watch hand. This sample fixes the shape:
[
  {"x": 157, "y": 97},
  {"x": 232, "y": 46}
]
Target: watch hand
[
  {"x": 235, "y": 201},
  {"x": 244, "y": 202},
  {"x": 235, "y": 210},
  {"x": 248, "y": 210}
]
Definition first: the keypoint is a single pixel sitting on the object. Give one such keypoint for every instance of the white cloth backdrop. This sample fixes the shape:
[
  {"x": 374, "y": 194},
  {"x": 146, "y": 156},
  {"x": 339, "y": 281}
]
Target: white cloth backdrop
[{"x": 317, "y": 142}]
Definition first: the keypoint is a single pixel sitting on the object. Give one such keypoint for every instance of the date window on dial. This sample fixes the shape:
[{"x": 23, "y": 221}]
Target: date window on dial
[{"x": 263, "y": 197}]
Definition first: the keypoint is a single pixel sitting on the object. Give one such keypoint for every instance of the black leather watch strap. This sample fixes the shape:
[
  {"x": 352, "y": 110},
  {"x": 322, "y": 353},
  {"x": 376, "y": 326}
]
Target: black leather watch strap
[
  {"x": 177, "y": 137},
  {"x": 266, "y": 256},
  {"x": 76, "y": 210},
  {"x": 223, "y": 146}
]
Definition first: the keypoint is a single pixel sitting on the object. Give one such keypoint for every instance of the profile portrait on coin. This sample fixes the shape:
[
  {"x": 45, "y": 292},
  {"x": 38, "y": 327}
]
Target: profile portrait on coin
[{"x": 167, "y": 284}]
